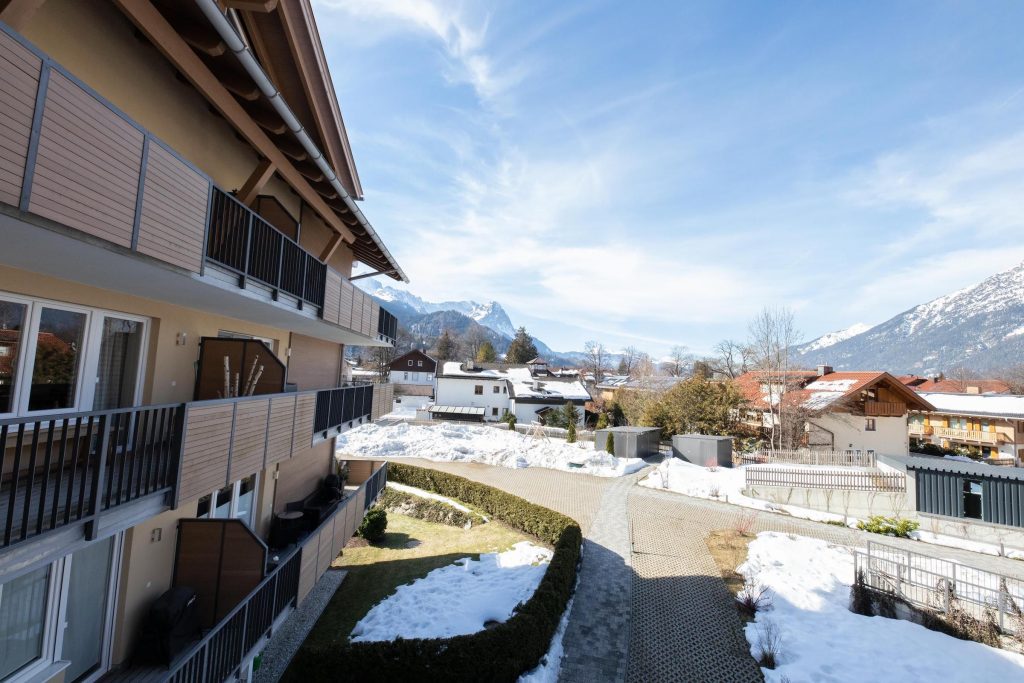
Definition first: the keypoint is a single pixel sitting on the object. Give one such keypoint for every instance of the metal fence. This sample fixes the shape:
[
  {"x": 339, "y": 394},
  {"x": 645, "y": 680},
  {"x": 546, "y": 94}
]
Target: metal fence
[
  {"x": 852, "y": 480},
  {"x": 941, "y": 585},
  {"x": 853, "y": 458}
]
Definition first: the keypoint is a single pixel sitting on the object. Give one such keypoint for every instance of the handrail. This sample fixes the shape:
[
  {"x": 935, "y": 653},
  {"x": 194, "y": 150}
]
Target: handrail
[{"x": 201, "y": 670}]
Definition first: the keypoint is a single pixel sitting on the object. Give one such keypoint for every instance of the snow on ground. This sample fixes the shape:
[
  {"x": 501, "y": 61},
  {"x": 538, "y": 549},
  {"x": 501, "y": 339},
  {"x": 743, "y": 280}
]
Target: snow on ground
[
  {"x": 459, "y": 598},
  {"x": 412, "y": 490},
  {"x": 725, "y": 484},
  {"x": 406, "y": 407},
  {"x": 468, "y": 443},
  {"x": 809, "y": 583}
]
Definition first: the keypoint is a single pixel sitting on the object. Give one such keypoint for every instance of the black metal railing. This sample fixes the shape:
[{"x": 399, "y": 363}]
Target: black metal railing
[
  {"x": 387, "y": 325},
  {"x": 221, "y": 652},
  {"x": 64, "y": 469},
  {"x": 374, "y": 485},
  {"x": 240, "y": 240},
  {"x": 342, "y": 407}
]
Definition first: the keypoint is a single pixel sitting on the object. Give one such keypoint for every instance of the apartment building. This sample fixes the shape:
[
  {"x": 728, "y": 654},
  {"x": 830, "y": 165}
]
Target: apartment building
[
  {"x": 179, "y": 225},
  {"x": 988, "y": 425}
]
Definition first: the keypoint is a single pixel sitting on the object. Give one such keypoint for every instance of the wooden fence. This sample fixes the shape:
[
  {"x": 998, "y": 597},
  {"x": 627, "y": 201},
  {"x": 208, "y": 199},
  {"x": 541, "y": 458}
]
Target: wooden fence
[
  {"x": 851, "y": 480},
  {"x": 851, "y": 458}
]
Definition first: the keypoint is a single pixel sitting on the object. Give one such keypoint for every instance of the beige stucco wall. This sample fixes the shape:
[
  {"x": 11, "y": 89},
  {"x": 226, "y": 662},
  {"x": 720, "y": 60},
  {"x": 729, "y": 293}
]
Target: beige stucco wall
[
  {"x": 170, "y": 369},
  {"x": 890, "y": 435}
]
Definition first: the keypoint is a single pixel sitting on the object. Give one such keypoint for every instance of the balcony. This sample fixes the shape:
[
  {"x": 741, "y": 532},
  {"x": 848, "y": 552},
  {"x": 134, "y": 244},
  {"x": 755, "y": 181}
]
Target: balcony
[
  {"x": 918, "y": 429},
  {"x": 884, "y": 409},
  {"x": 82, "y": 471},
  {"x": 969, "y": 435},
  {"x": 82, "y": 185}
]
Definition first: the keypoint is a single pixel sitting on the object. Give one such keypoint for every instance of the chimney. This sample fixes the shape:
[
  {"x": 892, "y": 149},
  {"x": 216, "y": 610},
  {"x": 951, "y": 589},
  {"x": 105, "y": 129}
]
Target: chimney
[
  {"x": 824, "y": 370},
  {"x": 470, "y": 365}
]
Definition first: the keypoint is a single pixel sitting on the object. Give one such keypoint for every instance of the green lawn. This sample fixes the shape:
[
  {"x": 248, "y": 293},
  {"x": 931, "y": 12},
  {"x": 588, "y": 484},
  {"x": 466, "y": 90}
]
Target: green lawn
[{"x": 375, "y": 571}]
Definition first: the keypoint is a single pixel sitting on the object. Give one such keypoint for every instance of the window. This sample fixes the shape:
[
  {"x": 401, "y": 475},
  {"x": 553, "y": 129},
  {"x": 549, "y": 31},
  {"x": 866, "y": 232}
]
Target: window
[
  {"x": 405, "y": 375},
  {"x": 23, "y": 608},
  {"x": 478, "y": 390},
  {"x": 63, "y": 358},
  {"x": 972, "y": 498},
  {"x": 869, "y": 424},
  {"x": 419, "y": 364},
  {"x": 410, "y": 364},
  {"x": 504, "y": 390},
  {"x": 234, "y": 501},
  {"x": 494, "y": 411},
  {"x": 495, "y": 388},
  {"x": 430, "y": 377}
]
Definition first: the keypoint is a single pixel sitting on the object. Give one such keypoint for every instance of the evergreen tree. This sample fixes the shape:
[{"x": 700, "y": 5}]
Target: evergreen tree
[
  {"x": 521, "y": 349},
  {"x": 570, "y": 436},
  {"x": 570, "y": 416},
  {"x": 602, "y": 421},
  {"x": 609, "y": 444},
  {"x": 446, "y": 347},
  {"x": 486, "y": 354}
]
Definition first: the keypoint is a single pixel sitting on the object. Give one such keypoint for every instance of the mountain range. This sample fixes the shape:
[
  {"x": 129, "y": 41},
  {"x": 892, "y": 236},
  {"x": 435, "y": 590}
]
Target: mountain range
[
  {"x": 980, "y": 327},
  {"x": 426, "y": 320}
]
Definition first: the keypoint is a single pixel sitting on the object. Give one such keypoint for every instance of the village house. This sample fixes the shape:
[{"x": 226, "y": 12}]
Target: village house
[
  {"x": 946, "y": 385},
  {"x": 177, "y": 205},
  {"x": 832, "y": 411},
  {"x": 466, "y": 391},
  {"x": 990, "y": 426},
  {"x": 412, "y": 374}
]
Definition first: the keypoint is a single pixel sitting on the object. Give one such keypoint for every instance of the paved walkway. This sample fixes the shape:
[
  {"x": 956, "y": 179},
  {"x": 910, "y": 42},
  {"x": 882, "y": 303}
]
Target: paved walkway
[{"x": 651, "y": 605}]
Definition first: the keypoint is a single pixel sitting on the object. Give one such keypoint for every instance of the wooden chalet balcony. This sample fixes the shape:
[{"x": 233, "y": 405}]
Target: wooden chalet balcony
[
  {"x": 66, "y": 470},
  {"x": 917, "y": 429},
  {"x": 973, "y": 435},
  {"x": 71, "y": 157},
  {"x": 884, "y": 409}
]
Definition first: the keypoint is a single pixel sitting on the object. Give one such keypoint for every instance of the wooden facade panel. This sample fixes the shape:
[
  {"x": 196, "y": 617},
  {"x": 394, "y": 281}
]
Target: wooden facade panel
[
  {"x": 345, "y": 309},
  {"x": 173, "y": 221},
  {"x": 374, "y": 318},
  {"x": 325, "y": 554},
  {"x": 305, "y": 410},
  {"x": 19, "y": 81},
  {"x": 352, "y": 519},
  {"x": 360, "y": 503},
  {"x": 383, "y": 399},
  {"x": 340, "y": 525},
  {"x": 250, "y": 441},
  {"x": 279, "y": 433},
  {"x": 332, "y": 296},
  {"x": 357, "y": 310},
  {"x": 307, "y": 567},
  {"x": 88, "y": 164},
  {"x": 204, "y": 463},
  {"x": 368, "y": 317}
]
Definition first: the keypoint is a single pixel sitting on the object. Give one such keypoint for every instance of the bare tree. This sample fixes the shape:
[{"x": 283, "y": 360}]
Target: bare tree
[
  {"x": 596, "y": 359},
  {"x": 630, "y": 355},
  {"x": 381, "y": 357},
  {"x": 474, "y": 339},
  {"x": 772, "y": 334},
  {"x": 732, "y": 358},
  {"x": 643, "y": 366},
  {"x": 962, "y": 376},
  {"x": 680, "y": 360},
  {"x": 1014, "y": 378}
]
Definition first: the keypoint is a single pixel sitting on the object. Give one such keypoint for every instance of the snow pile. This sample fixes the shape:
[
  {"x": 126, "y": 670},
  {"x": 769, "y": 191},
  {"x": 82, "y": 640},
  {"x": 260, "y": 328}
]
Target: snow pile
[
  {"x": 406, "y": 408},
  {"x": 725, "y": 484},
  {"x": 458, "y": 599},
  {"x": 467, "y": 443},
  {"x": 966, "y": 544},
  {"x": 809, "y": 583},
  {"x": 412, "y": 490}
]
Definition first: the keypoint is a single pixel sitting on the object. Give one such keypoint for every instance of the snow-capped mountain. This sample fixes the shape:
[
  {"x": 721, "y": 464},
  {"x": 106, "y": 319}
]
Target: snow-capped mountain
[
  {"x": 980, "y": 327},
  {"x": 490, "y": 315},
  {"x": 833, "y": 338}
]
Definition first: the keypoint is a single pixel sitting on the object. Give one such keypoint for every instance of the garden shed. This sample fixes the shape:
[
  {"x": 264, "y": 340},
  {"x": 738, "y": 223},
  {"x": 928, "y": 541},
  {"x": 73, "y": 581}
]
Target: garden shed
[
  {"x": 630, "y": 442},
  {"x": 701, "y": 448}
]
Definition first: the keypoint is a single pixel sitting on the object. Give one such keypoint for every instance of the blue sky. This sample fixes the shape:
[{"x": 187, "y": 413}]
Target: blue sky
[{"x": 653, "y": 173}]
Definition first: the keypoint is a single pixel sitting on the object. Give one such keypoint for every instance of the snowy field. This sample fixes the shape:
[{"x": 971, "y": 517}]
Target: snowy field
[
  {"x": 822, "y": 640},
  {"x": 407, "y": 407},
  {"x": 725, "y": 484},
  {"x": 467, "y": 443},
  {"x": 459, "y": 598}
]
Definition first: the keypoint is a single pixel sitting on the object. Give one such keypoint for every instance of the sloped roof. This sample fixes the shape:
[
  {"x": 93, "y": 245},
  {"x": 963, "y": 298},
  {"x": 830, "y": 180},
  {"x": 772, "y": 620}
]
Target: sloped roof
[
  {"x": 1010, "y": 406},
  {"x": 820, "y": 394}
]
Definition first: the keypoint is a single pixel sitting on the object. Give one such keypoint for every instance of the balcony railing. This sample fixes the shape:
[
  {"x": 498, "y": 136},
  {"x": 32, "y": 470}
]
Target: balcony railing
[
  {"x": 115, "y": 181},
  {"x": 918, "y": 429},
  {"x": 884, "y": 408},
  {"x": 221, "y": 654},
  {"x": 64, "y": 469},
  {"x": 240, "y": 240},
  {"x": 342, "y": 407},
  {"x": 387, "y": 326},
  {"x": 967, "y": 435}
]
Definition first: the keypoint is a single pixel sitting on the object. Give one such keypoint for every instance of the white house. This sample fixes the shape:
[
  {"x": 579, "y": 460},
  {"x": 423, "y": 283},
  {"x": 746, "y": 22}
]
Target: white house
[{"x": 516, "y": 390}]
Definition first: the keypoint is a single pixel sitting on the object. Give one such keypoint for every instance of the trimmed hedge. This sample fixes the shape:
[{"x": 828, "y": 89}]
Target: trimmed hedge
[
  {"x": 426, "y": 509},
  {"x": 501, "y": 653}
]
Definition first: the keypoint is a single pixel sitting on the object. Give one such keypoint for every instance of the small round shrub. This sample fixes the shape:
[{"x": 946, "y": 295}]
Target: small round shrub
[{"x": 374, "y": 524}]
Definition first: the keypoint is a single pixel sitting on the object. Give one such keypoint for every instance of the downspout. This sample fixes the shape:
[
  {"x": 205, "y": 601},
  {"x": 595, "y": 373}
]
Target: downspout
[{"x": 234, "y": 42}]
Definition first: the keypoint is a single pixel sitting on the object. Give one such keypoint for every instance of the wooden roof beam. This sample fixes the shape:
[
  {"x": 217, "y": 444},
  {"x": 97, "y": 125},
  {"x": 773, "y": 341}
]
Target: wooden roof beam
[
  {"x": 166, "y": 39},
  {"x": 254, "y": 185}
]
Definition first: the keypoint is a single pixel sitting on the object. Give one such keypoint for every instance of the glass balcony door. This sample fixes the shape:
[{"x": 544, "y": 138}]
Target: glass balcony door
[
  {"x": 119, "y": 362},
  {"x": 85, "y": 617}
]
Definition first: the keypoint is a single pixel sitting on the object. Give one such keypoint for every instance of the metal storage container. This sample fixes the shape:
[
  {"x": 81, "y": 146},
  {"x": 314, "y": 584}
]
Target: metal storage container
[
  {"x": 701, "y": 448},
  {"x": 630, "y": 442}
]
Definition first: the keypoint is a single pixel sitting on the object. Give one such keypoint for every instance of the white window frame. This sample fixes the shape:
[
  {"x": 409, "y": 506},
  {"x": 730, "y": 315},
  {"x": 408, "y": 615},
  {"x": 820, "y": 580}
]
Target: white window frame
[
  {"x": 55, "y": 620},
  {"x": 236, "y": 487},
  {"x": 88, "y": 360}
]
